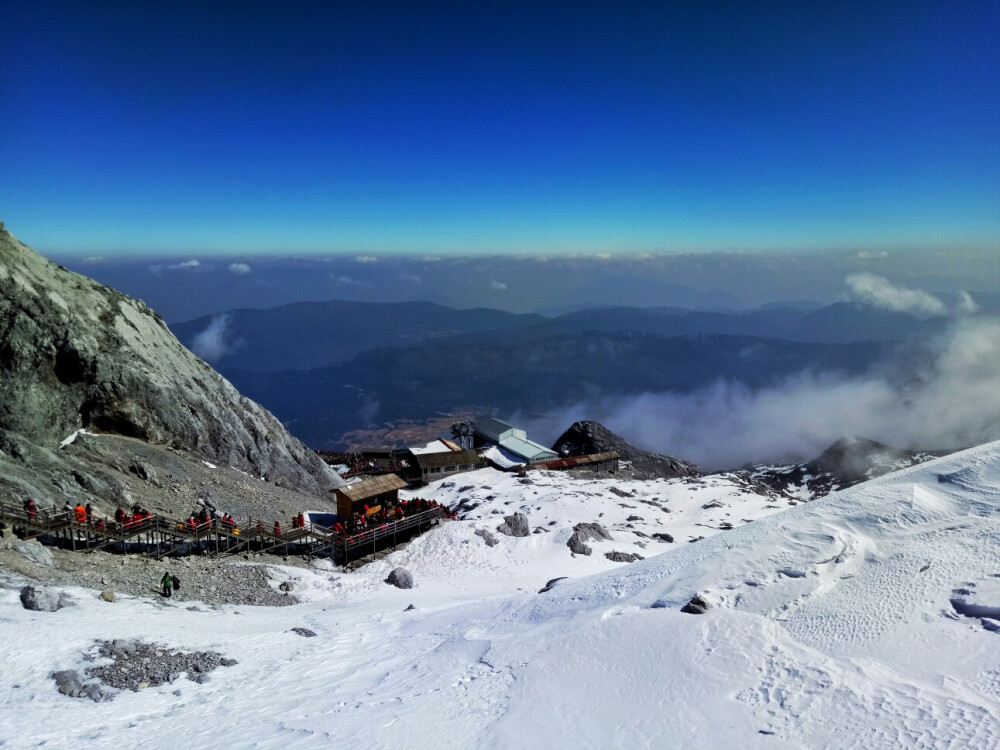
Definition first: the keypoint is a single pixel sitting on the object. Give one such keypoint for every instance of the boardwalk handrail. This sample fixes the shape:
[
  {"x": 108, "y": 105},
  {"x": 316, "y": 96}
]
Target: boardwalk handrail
[{"x": 175, "y": 534}]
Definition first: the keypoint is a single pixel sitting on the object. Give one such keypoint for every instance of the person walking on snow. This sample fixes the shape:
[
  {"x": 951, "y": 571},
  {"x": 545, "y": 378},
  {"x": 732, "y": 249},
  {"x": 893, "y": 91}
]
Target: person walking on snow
[{"x": 167, "y": 583}]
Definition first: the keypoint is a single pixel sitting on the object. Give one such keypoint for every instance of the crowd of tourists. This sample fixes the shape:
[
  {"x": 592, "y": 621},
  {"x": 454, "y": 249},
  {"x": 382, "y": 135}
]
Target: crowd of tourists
[
  {"x": 358, "y": 463},
  {"x": 205, "y": 519}
]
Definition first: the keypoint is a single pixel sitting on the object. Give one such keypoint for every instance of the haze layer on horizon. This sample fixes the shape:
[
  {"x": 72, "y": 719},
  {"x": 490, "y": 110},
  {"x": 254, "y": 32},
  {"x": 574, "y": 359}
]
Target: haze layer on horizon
[
  {"x": 924, "y": 283},
  {"x": 429, "y": 129}
]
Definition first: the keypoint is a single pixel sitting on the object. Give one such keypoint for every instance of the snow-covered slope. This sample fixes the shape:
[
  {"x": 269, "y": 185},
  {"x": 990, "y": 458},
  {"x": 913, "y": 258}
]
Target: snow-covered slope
[{"x": 866, "y": 619}]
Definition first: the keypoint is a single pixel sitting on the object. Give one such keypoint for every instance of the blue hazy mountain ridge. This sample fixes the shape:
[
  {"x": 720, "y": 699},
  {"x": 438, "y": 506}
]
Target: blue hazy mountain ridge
[
  {"x": 840, "y": 323},
  {"x": 306, "y": 335},
  {"x": 513, "y": 371},
  {"x": 310, "y": 335}
]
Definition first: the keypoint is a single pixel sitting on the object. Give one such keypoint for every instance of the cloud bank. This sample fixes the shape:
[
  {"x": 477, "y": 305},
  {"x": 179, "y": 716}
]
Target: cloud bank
[
  {"x": 948, "y": 397},
  {"x": 240, "y": 269},
  {"x": 880, "y": 292}
]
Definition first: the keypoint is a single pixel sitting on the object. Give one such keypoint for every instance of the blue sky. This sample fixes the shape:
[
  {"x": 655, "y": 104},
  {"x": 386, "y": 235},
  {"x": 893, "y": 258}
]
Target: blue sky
[{"x": 269, "y": 128}]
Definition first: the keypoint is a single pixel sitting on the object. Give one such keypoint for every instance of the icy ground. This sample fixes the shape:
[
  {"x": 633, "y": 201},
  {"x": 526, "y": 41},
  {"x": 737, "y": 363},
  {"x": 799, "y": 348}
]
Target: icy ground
[{"x": 865, "y": 619}]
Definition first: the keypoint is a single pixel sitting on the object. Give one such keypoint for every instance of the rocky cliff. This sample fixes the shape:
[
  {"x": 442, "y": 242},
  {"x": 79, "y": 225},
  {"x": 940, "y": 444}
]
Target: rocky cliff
[
  {"x": 593, "y": 437},
  {"x": 78, "y": 355}
]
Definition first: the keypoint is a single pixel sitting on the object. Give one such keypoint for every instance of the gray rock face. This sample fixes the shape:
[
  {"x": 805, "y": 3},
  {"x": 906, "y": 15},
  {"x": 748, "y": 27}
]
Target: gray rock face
[
  {"x": 584, "y": 532},
  {"x": 487, "y": 535},
  {"x": 34, "y": 551},
  {"x": 401, "y": 578},
  {"x": 43, "y": 599},
  {"x": 515, "y": 525},
  {"x": 584, "y": 438},
  {"x": 304, "y": 632},
  {"x": 76, "y": 354}
]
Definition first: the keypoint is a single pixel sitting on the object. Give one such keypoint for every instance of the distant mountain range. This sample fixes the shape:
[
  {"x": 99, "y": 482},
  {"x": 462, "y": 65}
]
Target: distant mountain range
[
  {"x": 308, "y": 335},
  {"x": 534, "y": 374},
  {"x": 305, "y": 335},
  {"x": 326, "y": 368}
]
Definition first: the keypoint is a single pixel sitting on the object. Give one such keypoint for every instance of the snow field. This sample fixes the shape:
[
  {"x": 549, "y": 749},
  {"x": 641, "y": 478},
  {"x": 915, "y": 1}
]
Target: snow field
[{"x": 834, "y": 625}]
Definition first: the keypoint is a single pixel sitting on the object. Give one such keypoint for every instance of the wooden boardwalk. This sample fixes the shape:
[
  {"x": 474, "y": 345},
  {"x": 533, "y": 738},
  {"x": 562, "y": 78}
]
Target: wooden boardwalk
[{"x": 159, "y": 536}]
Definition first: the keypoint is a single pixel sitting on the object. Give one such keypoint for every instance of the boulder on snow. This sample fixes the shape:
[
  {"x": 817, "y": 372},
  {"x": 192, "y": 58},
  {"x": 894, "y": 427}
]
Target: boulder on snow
[
  {"x": 70, "y": 683},
  {"x": 108, "y": 595},
  {"x": 304, "y": 632},
  {"x": 515, "y": 525},
  {"x": 401, "y": 578},
  {"x": 583, "y": 532},
  {"x": 551, "y": 584},
  {"x": 625, "y": 557},
  {"x": 287, "y": 586},
  {"x": 487, "y": 535},
  {"x": 696, "y": 606},
  {"x": 43, "y": 600}
]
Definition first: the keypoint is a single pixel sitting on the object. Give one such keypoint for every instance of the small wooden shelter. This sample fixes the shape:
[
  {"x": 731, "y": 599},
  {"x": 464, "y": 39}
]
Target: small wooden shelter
[
  {"x": 373, "y": 492},
  {"x": 429, "y": 466},
  {"x": 607, "y": 461}
]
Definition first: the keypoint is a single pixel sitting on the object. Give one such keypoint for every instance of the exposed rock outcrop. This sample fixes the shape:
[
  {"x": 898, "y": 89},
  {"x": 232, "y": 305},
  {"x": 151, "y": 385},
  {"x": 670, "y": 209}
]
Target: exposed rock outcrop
[
  {"x": 515, "y": 525},
  {"x": 625, "y": 557},
  {"x": 696, "y": 606},
  {"x": 584, "y": 532},
  {"x": 75, "y": 354},
  {"x": 401, "y": 578},
  {"x": 487, "y": 535},
  {"x": 844, "y": 464},
  {"x": 586, "y": 437}
]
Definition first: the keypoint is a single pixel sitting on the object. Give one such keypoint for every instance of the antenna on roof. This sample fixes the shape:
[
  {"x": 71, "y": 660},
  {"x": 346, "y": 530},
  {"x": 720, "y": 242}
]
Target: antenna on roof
[{"x": 463, "y": 433}]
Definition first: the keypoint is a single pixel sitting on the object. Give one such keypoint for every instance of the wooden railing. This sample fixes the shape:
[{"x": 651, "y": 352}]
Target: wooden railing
[{"x": 160, "y": 536}]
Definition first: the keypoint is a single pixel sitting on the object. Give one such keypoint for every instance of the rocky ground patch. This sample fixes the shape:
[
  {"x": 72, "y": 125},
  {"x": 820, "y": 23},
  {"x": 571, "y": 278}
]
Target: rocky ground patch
[
  {"x": 214, "y": 582},
  {"x": 136, "y": 665}
]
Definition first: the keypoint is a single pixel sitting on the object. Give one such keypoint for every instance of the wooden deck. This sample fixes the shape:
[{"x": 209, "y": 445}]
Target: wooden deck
[{"x": 159, "y": 536}]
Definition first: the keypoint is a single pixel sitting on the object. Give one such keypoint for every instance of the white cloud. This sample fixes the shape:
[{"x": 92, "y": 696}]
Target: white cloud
[
  {"x": 240, "y": 269},
  {"x": 366, "y": 259},
  {"x": 880, "y": 292},
  {"x": 966, "y": 305},
  {"x": 346, "y": 280},
  {"x": 871, "y": 255},
  {"x": 211, "y": 344},
  {"x": 187, "y": 265},
  {"x": 498, "y": 286},
  {"x": 952, "y": 402},
  {"x": 94, "y": 259}
]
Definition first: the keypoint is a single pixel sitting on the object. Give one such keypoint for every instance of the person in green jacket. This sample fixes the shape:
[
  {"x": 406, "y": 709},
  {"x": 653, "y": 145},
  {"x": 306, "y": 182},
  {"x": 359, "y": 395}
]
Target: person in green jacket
[{"x": 167, "y": 582}]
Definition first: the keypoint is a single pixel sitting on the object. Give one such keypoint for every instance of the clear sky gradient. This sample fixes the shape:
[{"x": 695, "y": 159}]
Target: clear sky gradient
[{"x": 152, "y": 128}]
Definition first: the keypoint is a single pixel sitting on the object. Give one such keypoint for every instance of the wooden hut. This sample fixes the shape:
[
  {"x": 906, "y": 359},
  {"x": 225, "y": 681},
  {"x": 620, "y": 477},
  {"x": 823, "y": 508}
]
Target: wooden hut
[
  {"x": 373, "y": 492},
  {"x": 596, "y": 462},
  {"x": 426, "y": 467}
]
